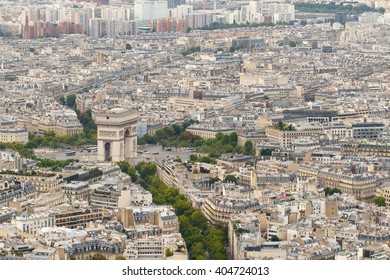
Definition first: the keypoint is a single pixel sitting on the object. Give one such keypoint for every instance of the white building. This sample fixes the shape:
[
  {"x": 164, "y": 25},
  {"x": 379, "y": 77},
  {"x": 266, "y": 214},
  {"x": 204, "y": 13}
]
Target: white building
[
  {"x": 181, "y": 11},
  {"x": 145, "y": 10},
  {"x": 32, "y": 223},
  {"x": 151, "y": 248},
  {"x": 14, "y": 135}
]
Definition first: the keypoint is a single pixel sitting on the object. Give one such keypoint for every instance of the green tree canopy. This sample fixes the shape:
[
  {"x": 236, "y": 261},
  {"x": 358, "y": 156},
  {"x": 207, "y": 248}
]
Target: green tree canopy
[
  {"x": 331, "y": 191},
  {"x": 230, "y": 178},
  {"x": 62, "y": 100},
  {"x": 292, "y": 44},
  {"x": 214, "y": 180},
  {"x": 71, "y": 100},
  {"x": 275, "y": 238},
  {"x": 146, "y": 169},
  {"x": 248, "y": 148},
  {"x": 380, "y": 201}
]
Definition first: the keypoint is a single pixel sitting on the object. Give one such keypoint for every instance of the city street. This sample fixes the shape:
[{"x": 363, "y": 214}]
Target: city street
[{"x": 151, "y": 153}]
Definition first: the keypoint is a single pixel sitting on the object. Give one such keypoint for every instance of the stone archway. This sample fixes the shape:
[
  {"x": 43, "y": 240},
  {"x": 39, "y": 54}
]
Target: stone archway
[
  {"x": 127, "y": 142},
  {"x": 107, "y": 151}
]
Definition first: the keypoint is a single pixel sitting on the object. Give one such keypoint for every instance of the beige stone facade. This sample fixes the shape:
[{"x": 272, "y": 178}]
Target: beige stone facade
[{"x": 117, "y": 134}]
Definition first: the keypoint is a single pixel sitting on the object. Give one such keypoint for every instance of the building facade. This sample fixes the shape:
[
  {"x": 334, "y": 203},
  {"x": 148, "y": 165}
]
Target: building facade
[{"x": 117, "y": 135}]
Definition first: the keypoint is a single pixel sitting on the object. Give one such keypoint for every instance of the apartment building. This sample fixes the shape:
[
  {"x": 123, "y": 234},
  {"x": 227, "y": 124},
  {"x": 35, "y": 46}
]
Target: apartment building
[
  {"x": 32, "y": 223},
  {"x": 151, "y": 248},
  {"x": 218, "y": 209},
  {"x": 285, "y": 138},
  {"x": 14, "y": 135},
  {"x": 76, "y": 191},
  {"x": 76, "y": 218},
  {"x": 161, "y": 216},
  {"x": 113, "y": 197},
  {"x": 208, "y": 132},
  {"x": 41, "y": 182}
]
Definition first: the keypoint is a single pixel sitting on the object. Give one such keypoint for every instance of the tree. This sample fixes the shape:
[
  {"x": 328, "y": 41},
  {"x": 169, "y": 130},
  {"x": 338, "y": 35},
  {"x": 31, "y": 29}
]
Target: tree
[
  {"x": 248, "y": 148},
  {"x": 168, "y": 252},
  {"x": 193, "y": 157},
  {"x": 180, "y": 247},
  {"x": 98, "y": 257},
  {"x": 230, "y": 178},
  {"x": 123, "y": 165},
  {"x": 177, "y": 129},
  {"x": 169, "y": 131},
  {"x": 232, "y": 49},
  {"x": 331, "y": 191},
  {"x": 274, "y": 238},
  {"x": 303, "y": 22},
  {"x": 191, "y": 50},
  {"x": 149, "y": 139},
  {"x": 71, "y": 100},
  {"x": 62, "y": 100},
  {"x": 197, "y": 250},
  {"x": 120, "y": 258},
  {"x": 225, "y": 139},
  {"x": 31, "y": 50},
  {"x": 146, "y": 169},
  {"x": 181, "y": 206},
  {"x": 381, "y": 10},
  {"x": 219, "y": 136},
  {"x": 128, "y": 47},
  {"x": 214, "y": 180},
  {"x": 198, "y": 220},
  {"x": 160, "y": 135},
  {"x": 380, "y": 201},
  {"x": 266, "y": 151},
  {"x": 233, "y": 138},
  {"x": 292, "y": 44}
]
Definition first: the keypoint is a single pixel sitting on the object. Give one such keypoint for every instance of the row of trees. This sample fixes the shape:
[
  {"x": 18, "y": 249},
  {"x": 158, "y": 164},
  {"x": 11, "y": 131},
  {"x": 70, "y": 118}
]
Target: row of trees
[
  {"x": 285, "y": 127},
  {"x": 54, "y": 164},
  {"x": 217, "y": 25},
  {"x": 332, "y": 8},
  {"x": 202, "y": 241},
  {"x": 88, "y": 137},
  {"x": 170, "y": 132},
  {"x": 177, "y": 136},
  {"x": 331, "y": 191},
  {"x": 69, "y": 100},
  {"x": 191, "y": 50},
  {"x": 18, "y": 147}
]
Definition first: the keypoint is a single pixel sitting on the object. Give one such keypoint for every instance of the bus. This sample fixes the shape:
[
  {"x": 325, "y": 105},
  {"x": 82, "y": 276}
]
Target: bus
[
  {"x": 70, "y": 153},
  {"x": 92, "y": 149}
]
